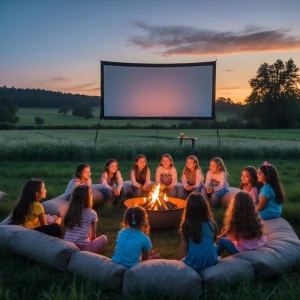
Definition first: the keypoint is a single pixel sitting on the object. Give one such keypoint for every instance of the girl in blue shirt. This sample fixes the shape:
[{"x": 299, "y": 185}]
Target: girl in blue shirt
[
  {"x": 271, "y": 195},
  {"x": 198, "y": 234},
  {"x": 133, "y": 242}
]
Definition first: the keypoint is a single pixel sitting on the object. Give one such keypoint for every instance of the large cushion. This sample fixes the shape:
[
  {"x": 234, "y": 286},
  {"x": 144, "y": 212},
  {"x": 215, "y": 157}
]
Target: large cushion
[
  {"x": 98, "y": 268},
  {"x": 228, "y": 272},
  {"x": 129, "y": 189},
  {"x": 6, "y": 231},
  {"x": 59, "y": 205},
  {"x": 279, "y": 229},
  {"x": 225, "y": 199},
  {"x": 155, "y": 278},
  {"x": 6, "y": 220},
  {"x": 53, "y": 252},
  {"x": 274, "y": 258}
]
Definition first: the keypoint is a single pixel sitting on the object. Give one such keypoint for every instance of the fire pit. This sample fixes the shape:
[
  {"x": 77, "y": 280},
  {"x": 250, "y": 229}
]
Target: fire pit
[{"x": 163, "y": 212}]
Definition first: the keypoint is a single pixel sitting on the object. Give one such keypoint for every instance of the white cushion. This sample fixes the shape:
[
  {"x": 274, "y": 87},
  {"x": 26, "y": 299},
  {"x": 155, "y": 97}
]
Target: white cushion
[{"x": 225, "y": 199}]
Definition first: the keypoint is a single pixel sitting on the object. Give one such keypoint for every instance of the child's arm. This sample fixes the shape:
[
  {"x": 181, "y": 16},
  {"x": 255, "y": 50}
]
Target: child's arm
[
  {"x": 103, "y": 181},
  {"x": 42, "y": 219},
  {"x": 184, "y": 181},
  {"x": 147, "y": 184},
  {"x": 224, "y": 232},
  {"x": 133, "y": 180},
  {"x": 119, "y": 180},
  {"x": 185, "y": 247},
  {"x": 199, "y": 179},
  {"x": 145, "y": 255},
  {"x": 174, "y": 178},
  {"x": 222, "y": 182},
  {"x": 262, "y": 203},
  {"x": 93, "y": 229},
  {"x": 88, "y": 182},
  {"x": 157, "y": 178}
]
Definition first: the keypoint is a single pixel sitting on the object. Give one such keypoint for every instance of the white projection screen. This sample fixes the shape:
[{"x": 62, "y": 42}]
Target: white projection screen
[{"x": 158, "y": 91}]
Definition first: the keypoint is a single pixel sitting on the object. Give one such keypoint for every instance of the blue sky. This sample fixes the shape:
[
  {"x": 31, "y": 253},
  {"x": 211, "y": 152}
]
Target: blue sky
[{"x": 58, "y": 45}]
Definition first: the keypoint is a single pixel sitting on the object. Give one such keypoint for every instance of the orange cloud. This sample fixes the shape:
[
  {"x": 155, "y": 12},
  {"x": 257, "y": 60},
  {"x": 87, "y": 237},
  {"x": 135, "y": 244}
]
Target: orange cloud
[{"x": 183, "y": 40}]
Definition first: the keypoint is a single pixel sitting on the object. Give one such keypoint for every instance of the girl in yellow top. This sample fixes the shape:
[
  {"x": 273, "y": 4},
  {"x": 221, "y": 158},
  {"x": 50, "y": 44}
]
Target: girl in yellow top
[{"x": 30, "y": 213}]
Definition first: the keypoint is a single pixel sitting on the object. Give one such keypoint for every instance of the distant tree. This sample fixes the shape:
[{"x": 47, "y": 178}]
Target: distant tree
[
  {"x": 8, "y": 110},
  {"x": 82, "y": 110},
  {"x": 39, "y": 120},
  {"x": 275, "y": 98},
  {"x": 64, "y": 110}
]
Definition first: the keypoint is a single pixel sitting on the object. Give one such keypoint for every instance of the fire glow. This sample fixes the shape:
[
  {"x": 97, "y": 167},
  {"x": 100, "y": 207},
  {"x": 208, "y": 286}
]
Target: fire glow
[{"x": 157, "y": 200}]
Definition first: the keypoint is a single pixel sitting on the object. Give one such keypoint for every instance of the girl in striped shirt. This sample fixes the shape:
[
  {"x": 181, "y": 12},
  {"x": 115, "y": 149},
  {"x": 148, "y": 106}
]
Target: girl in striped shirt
[{"x": 81, "y": 220}]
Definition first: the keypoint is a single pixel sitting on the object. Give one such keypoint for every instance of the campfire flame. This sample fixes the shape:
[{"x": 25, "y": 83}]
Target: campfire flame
[{"x": 158, "y": 200}]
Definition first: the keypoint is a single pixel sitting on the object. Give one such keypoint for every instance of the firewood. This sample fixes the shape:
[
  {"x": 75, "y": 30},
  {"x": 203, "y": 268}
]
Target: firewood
[{"x": 164, "y": 205}]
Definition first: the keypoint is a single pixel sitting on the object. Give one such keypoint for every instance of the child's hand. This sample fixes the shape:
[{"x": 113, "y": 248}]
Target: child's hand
[
  {"x": 54, "y": 217},
  {"x": 162, "y": 186},
  {"x": 209, "y": 190},
  {"x": 189, "y": 188}
]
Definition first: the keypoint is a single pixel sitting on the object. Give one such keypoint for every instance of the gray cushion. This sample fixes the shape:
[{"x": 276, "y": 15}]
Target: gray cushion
[
  {"x": 274, "y": 258},
  {"x": 59, "y": 205},
  {"x": 6, "y": 220},
  {"x": 225, "y": 199},
  {"x": 6, "y": 231},
  {"x": 171, "y": 278},
  {"x": 279, "y": 229},
  {"x": 228, "y": 272},
  {"x": 40, "y": 247},
  {"x": 98, "y": 268},
  {"x": 129, "y": 189}
]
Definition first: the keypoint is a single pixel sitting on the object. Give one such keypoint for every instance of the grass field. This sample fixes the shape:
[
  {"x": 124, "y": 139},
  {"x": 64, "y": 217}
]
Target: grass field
[
  {"x": 23, "y": 279},
  {"x": 51, "y": 117}
]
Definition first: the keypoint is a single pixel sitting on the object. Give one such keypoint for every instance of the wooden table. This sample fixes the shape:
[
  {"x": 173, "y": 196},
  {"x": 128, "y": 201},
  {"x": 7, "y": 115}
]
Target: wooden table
[{"x": 188, "y": 138}]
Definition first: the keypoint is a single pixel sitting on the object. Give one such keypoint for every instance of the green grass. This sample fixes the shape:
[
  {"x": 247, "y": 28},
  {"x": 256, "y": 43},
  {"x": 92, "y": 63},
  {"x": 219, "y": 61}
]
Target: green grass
[
  {"x": 51, "y": 117},
  {"x": 24, "y": 279}
]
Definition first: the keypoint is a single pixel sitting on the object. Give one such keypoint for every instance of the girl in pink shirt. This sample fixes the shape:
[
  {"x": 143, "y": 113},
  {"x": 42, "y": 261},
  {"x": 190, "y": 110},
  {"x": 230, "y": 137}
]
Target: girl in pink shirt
[
  {"x": 81, "y": 221},
  {"x": 243, "y": 227},
  {"x": 249, "y": 182}
]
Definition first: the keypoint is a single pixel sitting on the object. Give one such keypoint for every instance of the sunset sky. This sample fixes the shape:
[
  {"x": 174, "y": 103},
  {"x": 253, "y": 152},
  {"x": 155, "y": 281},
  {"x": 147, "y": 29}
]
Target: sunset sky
[{"x": 58, "y": 44}]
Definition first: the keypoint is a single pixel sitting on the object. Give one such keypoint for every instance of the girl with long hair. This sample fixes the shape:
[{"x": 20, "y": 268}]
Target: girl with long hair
[
  {"x": 30, "y": 213},
  {"x": 81, "y": 220},
  {"x": 243, "y": 227},
  {"x": 198, "y": 233}
]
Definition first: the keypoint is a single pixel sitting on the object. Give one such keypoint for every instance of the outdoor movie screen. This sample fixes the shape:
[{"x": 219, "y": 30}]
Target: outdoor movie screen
[{"x": 158, "y": 91}]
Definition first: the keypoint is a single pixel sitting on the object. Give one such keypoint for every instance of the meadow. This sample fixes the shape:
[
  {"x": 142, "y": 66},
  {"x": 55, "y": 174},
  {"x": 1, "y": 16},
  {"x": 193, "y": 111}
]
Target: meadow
[
  {"x": 24, "y": 279},
  {"x": 51, "y": 117},
  {"x": 52, "y": 155}
]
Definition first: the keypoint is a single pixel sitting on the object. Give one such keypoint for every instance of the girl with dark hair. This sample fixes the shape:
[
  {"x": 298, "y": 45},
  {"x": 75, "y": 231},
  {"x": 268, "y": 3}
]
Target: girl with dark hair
[
  {"x": 198, "y": 233},
  {"x": 82, "y": 177},
  {"x": 243, "y": 227},
  {"x": 133, "y": 242},
  {"x": 271, "y": 195},
  {"x": 140, "y": 176},
  {"x": 112, "y": 183},
  {"x": 249, "y": 182},
  {"x": 81, "y": 220},
  {"x": 29, "y": 213}
]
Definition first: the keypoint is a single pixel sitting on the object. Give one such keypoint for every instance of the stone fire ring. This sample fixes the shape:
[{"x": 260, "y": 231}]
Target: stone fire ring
[{"x": 161, "y": 219}]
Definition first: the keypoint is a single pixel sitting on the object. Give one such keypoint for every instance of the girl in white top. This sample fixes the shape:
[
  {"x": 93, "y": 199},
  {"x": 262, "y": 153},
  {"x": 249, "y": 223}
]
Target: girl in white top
[
  {"x": 112, "y": 183},
  {"x": 249, "y": 182},
  {"x": 216, "y": 184},
  {"x": 191, "y": 179},
  {"x": 140, "y": 176},
  {"x": 166, "y": 176},
  {"x": 82, "y": 177},
  {"x": 81, "y": 221}
]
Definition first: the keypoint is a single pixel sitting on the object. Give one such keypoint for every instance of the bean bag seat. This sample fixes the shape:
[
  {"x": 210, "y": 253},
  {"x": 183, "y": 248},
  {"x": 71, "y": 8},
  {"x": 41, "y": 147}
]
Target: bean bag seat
[
  {"x": 129, "y": 189},
  {"x": 59, "y": 205},
  {"x": 281, "y": 252},
  {"x": 228, "y": 272},
  {"x": 154, "y": 278},
  {"x": 97, "y": 268},
  {"x": 53, "y": 252},
  {"x": 225, "y": 199}
]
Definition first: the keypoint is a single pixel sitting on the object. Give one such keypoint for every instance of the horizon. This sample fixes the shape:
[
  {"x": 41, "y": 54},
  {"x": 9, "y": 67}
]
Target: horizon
[{"x": 58, "y": 46}]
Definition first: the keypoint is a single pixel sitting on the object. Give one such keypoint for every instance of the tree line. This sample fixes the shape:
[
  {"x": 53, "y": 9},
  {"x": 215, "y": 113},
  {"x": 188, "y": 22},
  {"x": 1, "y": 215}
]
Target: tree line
[{"x": 274, "y": 101}]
